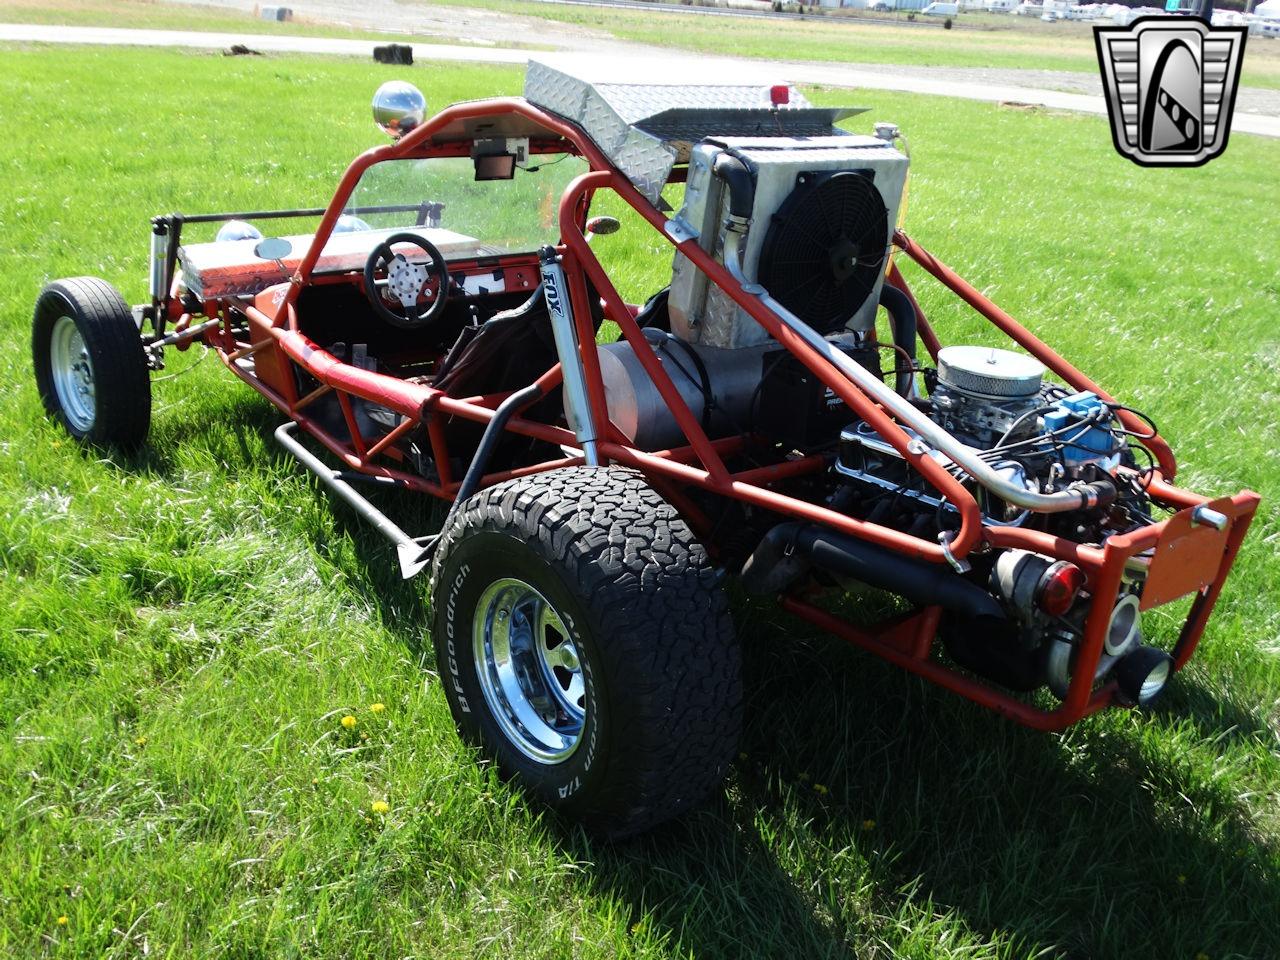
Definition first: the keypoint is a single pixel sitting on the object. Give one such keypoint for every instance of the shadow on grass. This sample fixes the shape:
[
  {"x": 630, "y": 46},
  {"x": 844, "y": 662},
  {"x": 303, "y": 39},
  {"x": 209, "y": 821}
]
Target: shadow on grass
[
  {"x": 229, "y": 425},
  {"x": 1090, "y": 844},
  {"x": 867, "y": 805}
]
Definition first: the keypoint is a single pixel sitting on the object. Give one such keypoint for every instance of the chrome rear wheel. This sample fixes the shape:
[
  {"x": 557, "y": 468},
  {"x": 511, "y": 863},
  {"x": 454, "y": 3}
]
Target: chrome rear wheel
[
  {"x": 529, "y": 671},
  {"x": 584, "y": 645}
]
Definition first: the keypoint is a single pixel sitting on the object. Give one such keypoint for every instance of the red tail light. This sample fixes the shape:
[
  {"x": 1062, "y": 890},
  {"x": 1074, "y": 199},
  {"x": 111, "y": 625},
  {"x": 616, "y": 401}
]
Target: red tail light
[{"x": 1059, "y": 587}]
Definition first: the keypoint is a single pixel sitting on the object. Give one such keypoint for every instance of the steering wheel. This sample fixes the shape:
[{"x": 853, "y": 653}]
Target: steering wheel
[{"x": 407, "y": 283}]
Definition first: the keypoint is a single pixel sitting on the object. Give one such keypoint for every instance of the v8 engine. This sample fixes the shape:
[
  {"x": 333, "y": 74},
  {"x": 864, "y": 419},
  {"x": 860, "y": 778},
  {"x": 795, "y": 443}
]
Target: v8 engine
[{"x": 809, "y": 222}]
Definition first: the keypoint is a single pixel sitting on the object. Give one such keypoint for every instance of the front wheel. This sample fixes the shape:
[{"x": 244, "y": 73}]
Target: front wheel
[
  {"x": 585, "y": 646},
  {"x": 90, "y": 366}
]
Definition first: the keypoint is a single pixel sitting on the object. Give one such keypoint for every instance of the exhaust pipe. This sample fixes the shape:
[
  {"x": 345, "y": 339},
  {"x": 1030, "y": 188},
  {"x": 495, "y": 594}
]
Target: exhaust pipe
[
  {"x": 789, "y": 550},
  {"x": 1142, "y": 674}
]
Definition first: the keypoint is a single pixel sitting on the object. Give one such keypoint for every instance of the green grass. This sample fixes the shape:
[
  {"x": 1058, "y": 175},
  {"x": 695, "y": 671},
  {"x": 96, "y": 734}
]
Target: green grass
[
  {"x": 160, "y": 15},
  {"x": 180, "y": 632},
  {"x": 989, "y": 41},
  {"x": 1004, "y": 41}
]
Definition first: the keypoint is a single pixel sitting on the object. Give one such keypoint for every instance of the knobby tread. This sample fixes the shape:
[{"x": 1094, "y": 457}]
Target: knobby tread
[
  {"x": 661, "y": 618},
  {"x": 122, "y": 399}
]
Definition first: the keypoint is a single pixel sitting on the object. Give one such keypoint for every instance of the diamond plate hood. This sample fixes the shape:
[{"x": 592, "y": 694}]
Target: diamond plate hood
[{"x": 645, "y": 126}]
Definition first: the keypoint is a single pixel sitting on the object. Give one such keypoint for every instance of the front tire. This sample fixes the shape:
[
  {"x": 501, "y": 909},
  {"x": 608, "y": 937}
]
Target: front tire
[
  {"x": 90, "y": 365},
  {"x": 585, "y": 646}
]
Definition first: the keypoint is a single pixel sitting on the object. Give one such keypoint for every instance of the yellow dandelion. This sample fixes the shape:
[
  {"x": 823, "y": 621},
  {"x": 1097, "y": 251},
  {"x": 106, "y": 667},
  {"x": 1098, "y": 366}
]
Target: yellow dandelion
[
  {"x": 819, "y": 789},
  {"x": 63, "y": 920},
  {"x": 381, "y": 807},
  {"x": 377, "y": 707},
  {"x": 314, "y": 781},
  {"x": 349, "y": 721},
  {"x": 140, "y": 741},
  {"x": 1182, "y": 879},
  {"x": 868, "y": 824}
]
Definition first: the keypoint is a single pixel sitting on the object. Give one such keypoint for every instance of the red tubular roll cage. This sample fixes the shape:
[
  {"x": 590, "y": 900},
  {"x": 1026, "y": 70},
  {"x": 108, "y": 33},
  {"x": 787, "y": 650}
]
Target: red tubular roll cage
[{"x": 906, "y": 641}]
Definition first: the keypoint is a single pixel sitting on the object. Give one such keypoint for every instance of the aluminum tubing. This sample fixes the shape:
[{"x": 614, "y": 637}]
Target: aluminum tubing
[{"x": 905, "y": 412}]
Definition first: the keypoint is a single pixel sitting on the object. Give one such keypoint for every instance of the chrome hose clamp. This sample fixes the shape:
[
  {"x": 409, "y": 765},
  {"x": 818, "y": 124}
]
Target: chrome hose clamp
[{"x": 958, "y": 564}]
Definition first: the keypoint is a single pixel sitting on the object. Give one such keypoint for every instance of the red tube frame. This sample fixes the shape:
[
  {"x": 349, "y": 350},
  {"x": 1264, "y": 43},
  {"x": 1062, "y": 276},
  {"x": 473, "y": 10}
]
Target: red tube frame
[{"x": 906, "y": 641}]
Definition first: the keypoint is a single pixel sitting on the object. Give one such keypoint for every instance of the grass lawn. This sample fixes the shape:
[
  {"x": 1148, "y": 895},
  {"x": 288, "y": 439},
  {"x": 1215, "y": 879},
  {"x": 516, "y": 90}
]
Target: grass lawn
[
  {"x": 181, "y": 632},
  {"x": 1003, "y": 41},
  {"x": 159, "y": 15},
  {"x": 989, "y": 41}
]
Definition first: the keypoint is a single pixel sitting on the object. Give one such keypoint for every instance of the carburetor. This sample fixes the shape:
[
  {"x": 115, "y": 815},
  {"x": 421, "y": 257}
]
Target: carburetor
[{"x": 982, "y": 393}]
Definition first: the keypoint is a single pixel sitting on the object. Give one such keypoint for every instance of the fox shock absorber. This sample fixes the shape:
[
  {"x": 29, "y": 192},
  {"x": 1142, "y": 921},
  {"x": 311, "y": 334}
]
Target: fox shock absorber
[{"x": 577, "y": 405}]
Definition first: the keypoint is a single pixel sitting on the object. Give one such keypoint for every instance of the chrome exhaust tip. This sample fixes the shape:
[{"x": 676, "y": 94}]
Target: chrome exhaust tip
[
  {"x": 1125, "y": 628},
  {"x": 1142, "y": 674}
]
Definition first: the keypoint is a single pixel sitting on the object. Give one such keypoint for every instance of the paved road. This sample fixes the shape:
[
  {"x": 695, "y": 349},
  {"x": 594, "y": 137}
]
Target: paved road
[
  {"x": 383, "y": 14},
  {"x": 437, "y": 23},
  {"x": 764, "y": 11},
  {"x": 911, "y": 80}
]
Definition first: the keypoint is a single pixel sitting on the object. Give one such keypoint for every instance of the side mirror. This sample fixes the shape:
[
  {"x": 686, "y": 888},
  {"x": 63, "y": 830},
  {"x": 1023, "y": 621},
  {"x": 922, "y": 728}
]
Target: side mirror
[
  {"x": 273, "y": 248},
  {"x": 398, "y": 107},
  {"x": 603, "y": 226}
]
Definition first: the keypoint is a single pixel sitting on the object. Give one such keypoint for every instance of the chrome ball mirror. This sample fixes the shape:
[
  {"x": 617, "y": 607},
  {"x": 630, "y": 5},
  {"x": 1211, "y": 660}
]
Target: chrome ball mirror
[{"x": 398, "y": 107}]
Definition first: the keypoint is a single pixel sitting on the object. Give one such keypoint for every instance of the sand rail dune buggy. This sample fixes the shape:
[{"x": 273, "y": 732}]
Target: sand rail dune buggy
[{"x": 447, "y": 329}]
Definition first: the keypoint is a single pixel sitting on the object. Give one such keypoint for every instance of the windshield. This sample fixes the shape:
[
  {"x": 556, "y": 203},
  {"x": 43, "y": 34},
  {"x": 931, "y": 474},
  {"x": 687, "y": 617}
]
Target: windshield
[{"x": 442, "y": 200}]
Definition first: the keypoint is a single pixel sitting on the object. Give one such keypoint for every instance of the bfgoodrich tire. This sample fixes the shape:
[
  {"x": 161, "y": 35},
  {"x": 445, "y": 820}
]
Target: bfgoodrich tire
[
  {"x": 585, "y": 645},
  {"x": 90, "y": 367}
]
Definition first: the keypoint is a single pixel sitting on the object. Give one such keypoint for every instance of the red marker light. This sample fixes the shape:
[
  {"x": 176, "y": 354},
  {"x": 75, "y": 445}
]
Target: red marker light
[
  {"x": 1059, "y": 587},
  {"x": 779, "y": 94}
]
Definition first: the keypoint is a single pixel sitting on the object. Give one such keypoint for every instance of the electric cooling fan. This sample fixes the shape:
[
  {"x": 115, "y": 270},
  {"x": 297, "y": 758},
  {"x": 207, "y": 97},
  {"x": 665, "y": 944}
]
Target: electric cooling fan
[{"x": 826, "y": 247}]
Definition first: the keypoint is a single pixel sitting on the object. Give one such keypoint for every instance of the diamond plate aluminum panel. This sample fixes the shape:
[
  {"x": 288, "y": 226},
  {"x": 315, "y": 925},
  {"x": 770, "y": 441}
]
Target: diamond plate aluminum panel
[{"x": 645, "y": 127}]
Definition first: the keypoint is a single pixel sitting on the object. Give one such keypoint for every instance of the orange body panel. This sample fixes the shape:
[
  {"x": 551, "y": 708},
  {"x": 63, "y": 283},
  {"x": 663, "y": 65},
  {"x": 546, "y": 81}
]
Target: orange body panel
[
  {"x": 1187, "y": 557},
  {"x": 271, "y": 366}
]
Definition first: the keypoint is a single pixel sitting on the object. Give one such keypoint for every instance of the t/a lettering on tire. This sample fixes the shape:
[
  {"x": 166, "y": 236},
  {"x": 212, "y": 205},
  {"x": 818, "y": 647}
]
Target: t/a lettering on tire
[{"x": 585, "y": 646}]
